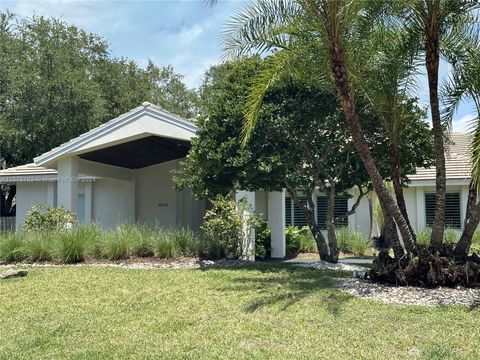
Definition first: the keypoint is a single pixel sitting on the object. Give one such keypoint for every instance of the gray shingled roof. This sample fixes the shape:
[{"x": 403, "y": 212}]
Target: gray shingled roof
[{"x": 457, "y": 160}]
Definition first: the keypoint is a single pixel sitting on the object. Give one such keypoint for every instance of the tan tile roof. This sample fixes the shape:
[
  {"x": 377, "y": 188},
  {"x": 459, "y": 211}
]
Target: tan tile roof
[
  {"x": 26, "y": 170},
  {"x": 457, "y": 160}
]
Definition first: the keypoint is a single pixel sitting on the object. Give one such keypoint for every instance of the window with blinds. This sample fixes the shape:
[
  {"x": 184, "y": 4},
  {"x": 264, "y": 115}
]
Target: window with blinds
[
  {"x": 81, "y": 208},
  {"x": 288, "y": 211},
  {"x": 340, "y": 208},
  {"x": 452, "y": 210},
  {"x": 299, "y": 218}
]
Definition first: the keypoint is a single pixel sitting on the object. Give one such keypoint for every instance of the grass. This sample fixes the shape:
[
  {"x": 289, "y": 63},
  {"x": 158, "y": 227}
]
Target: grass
[
  {"x": 90, "y": 241},
  {"x": 261, "y": 311}
]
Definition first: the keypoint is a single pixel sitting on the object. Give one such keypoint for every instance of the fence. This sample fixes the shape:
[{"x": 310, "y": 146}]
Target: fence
[{"x": 7, "y": 223}]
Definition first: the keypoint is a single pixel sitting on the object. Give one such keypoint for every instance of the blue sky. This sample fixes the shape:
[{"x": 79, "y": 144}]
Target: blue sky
[{"x": 184, "y": 34}]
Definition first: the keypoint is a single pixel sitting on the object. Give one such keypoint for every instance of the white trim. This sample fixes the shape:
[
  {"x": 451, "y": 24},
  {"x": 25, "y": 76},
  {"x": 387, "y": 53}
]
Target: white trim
[{"x": 111, "y": 126}]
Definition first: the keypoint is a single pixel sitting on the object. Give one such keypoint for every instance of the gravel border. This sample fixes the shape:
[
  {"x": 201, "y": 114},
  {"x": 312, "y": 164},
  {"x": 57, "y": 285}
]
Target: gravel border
[
  {"x": 409, "y": 295},
  {"x": 141, "y": 263},
  {"x": 323, "y": 265}
]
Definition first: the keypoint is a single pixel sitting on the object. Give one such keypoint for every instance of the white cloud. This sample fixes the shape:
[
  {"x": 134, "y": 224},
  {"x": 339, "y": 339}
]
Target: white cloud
[{"x": 464, "y": 123}]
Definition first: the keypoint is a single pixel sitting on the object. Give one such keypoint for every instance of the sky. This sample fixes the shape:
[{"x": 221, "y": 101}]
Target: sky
[{"x": 185, "y": 34}]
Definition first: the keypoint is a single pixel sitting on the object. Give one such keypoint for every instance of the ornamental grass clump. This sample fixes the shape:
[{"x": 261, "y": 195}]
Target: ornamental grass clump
[
  {"x": 12, "y": 247},
  {"x": 117, "y": 243},
  {"x": 351, "y": 242},
  {"x": 40, "y": 246},
  {"x": 165, "y": 246}
]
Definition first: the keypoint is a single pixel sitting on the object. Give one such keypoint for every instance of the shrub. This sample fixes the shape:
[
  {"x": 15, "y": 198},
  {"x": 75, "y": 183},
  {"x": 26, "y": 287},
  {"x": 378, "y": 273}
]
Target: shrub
[
  {"x": 185, "y": 239},
  {"x": 262, "y": 240},
  {"x": 450, "y": 235},
  {"x": 46, "y": 218},
  {"x": 75, "y": 245},
  {"x": 116, "y": 244},
  {"x": 350, "y": 241},
  {"x": 141, "y": 239},
  {"x": 12, "y": 247},
  {"x": 224, "y": 224},
  {"x": 299, "y": 240},
  {"x": 39, "y": 246},
  {"x": 165, "y": 246},
  {"x": 423, "y": 236}
]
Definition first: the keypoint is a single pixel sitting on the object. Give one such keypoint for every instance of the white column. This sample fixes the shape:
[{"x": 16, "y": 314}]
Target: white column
[
  {"x": 68, "y": 183},
  {"x": 420, "y": 195},
  {"x": 249, "y": 241},
  {"x": 276, "y": 219}
]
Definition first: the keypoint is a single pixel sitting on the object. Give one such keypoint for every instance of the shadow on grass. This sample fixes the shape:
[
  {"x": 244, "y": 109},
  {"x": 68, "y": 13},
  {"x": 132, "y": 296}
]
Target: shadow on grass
[{"x": 284, "y": 285}]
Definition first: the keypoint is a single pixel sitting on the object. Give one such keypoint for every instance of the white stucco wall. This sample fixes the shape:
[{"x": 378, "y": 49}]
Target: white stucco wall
[
  {"x": 29, "y": 193},
  {"x": 113, "y": 202}
]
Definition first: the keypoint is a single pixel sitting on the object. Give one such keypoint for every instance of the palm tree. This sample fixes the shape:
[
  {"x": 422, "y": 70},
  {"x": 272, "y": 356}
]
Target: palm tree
[
  {"x": 306, "y": 35},
  {"x": 439, "y": 23},
  {"x": 464, "y": 85},
  {"x": 388, "y": 82}
]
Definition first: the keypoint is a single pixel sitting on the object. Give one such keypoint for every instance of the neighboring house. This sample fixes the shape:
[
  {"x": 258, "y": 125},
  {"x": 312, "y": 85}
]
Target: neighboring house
[{"x": 122, "y": 171}]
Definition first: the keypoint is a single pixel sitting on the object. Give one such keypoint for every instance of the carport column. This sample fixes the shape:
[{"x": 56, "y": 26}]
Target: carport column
[
  {"x": 68, "y": 183},
  {"x": 276, "y": 219},
  {"x": 249, "y": 241}
]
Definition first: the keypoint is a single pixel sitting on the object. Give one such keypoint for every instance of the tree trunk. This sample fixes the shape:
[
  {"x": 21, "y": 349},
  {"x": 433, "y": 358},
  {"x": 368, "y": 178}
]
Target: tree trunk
[
  {"x": 396, "y": 174},
  {"x": 337, "y": 62},
  {"x": 392, "y": 236},
  {"x": 432, "y": 59},
  {"x": 332, "y": 239},
  {"x": 309, "y": 211},
  {"x": 470, "y": 225}
]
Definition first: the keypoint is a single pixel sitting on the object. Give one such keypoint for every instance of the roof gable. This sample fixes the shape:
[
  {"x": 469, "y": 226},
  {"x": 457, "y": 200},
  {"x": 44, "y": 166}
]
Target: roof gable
[{"x": 143, "y": 121}]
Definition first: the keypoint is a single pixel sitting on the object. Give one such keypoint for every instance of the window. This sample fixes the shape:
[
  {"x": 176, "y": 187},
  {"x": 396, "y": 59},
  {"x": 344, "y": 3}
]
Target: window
[
  {"x": 299, "y": 218},
  {"x": 288, "y": 211},
  {"x": 81, "y": 208},
  {"x": 452, "y": 210},
  {"x": 296, "y": 216},
  {"x": 340, "y": 208}
]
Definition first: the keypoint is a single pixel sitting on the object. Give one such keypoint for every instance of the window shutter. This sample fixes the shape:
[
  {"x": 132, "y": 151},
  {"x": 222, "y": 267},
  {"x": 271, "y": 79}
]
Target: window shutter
[
  {"x": 452, "y": 210},
  {"x": 288, "y": 211},
  {"x": 340, "y": 208},
  {"x": 299, "y": 218}
]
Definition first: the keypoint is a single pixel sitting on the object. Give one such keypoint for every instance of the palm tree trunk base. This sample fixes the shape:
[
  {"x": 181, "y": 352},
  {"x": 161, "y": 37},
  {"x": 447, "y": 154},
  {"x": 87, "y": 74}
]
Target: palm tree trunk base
[{"x": 427, "y": 269}]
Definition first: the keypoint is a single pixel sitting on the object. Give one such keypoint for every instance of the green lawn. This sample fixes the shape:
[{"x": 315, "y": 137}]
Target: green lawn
[{"x": 262, "y": 311}]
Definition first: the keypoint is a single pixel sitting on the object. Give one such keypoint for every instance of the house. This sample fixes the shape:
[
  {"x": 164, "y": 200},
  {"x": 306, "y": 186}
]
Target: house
[{"x": 122, "y": 172}]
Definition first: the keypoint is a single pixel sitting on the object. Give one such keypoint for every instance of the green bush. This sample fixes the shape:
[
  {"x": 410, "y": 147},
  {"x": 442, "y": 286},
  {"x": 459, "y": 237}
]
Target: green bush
[
  {"x": 351, "y": 242},
  {"x": 46, "y": 218},
  {"x": 40, "y": 246},
  {"x": 74, "y": 246},
  {"x": 165, "y": 246},
  {"x": 450, "y": 235},
  {"x": 299, "y": 240},
  {"x": 262, "y": 240},
  {"x": 423, "y": 236},
  {"x": 116, "y": 244},
  {"x": 141, "y": 239},
  {"x": 224, "y": 224},
  {"x": 185, "y": 239},
  {"x": 12, "y": 247}
]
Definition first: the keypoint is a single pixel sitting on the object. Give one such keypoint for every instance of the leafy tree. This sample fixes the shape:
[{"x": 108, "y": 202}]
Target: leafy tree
[
  {"x": 301, "y": 143},
  {"x": 306, "y": 35},
  {"x": 58, "y": 81}
]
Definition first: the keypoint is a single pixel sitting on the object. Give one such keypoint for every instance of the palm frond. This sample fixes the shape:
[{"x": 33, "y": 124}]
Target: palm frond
[
  {"x": 260, "y": 26},
  {"x": 275, "y": 67}
]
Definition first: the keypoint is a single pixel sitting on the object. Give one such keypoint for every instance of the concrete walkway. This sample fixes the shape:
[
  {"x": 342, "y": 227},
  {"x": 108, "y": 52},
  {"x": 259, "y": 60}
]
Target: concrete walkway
[{"x": 350, "y": 261}]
